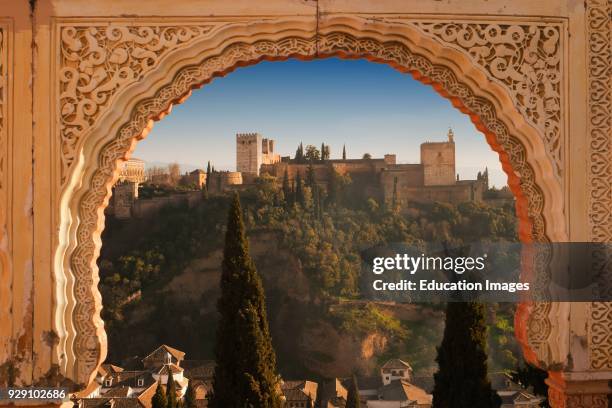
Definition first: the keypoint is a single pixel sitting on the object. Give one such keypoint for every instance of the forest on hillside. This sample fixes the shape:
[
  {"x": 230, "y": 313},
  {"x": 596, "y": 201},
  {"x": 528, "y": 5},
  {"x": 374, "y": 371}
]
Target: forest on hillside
[{"x": 159, "y": 278}]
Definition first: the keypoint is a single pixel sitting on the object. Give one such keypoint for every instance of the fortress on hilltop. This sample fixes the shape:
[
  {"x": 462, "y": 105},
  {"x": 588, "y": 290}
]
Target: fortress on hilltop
[{"x": 433, "y": 179}]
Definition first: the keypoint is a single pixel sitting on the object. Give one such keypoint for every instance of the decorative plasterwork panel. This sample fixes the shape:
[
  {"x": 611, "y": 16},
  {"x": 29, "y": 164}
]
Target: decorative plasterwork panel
[
  {"x": 241, "y": 53},
  {"x": 98, "y": 60},
  {"x": 599, "y": 33},
  {"x": 527, "y": 58},
  {"x": 558, "y": 398}
]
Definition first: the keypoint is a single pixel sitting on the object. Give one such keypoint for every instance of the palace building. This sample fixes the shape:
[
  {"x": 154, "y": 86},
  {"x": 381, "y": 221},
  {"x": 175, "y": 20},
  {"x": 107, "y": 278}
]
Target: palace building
[{"x": 433, "y": 179}]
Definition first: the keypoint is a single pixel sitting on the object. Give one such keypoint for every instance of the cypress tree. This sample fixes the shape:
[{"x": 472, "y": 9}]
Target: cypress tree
[
  {"x": 310, "y": 176},
  {"x": 322, "y": 151},
  {"x": 332, "y": 189},
  {"x": 286, "y": 188},
  {"x": 316, "y": 200},
  {"x": 159, "y": 398},
  {"x": 352, "y": 398},
  {"x": 208, "y": 173},
  {"x": 343, "y": 152},
  {"x": 171, "y": 390},
  {"x": 292, "y": 194},
  {"x": 299, "y": 153},
  {"x": 190, "y": 396},
  {"x": 299, "y": 191},
  {"x": 461, "y": 380},
  {"x": 394, "y": 198},
  {"x": 245, "y": 372}
]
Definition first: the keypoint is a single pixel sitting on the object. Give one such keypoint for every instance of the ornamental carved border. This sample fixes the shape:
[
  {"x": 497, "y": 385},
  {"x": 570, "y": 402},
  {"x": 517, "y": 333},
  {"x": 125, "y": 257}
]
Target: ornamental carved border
[
  {"x": 599, "y": 54},
  {"x": 526, "y": 58},
  {"x": 96, "y": 61},
  {"x": 243, "y": 53}
]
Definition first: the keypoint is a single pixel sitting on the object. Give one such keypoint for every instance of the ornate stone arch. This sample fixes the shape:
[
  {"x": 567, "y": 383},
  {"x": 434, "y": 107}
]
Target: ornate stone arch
[{"x": 101, "y": 119}]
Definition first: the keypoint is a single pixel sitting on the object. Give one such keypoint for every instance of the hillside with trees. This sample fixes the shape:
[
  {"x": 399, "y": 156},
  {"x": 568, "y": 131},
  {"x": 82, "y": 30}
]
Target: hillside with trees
[{"x": 159, "y": 278}]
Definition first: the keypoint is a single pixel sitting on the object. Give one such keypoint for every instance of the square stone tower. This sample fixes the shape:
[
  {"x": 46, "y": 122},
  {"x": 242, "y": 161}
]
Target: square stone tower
[
  {"x": 249, "y": 152},
  {"x": 438, "y": 161},
  {"x": 252, "y": 150}
]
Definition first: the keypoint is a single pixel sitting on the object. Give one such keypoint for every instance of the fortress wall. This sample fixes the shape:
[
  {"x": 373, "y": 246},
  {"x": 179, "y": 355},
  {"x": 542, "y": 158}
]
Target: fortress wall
[
  {"x": 150, "y": 207},
  {"x": 451, "y": 194},
  {"x": 321, "y": 170},
  {"x": 407, "y": 176}
]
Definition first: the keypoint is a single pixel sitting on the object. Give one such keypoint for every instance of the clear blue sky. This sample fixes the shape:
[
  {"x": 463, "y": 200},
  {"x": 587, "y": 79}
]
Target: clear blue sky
[{"x": 367, "y": 106}]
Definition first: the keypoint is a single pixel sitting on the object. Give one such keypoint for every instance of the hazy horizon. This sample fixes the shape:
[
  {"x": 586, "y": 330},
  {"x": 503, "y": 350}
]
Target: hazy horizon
[{"x": 369, "y": 107}]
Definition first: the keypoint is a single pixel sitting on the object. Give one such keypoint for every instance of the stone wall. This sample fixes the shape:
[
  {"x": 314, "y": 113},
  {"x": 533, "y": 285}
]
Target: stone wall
[
  {"x": 148, "y": 208},
  {"x": 224, "y": 180}
]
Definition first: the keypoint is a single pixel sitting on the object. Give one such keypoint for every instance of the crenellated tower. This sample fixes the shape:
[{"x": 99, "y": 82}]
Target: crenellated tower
[{"x": 253, "y": 150}]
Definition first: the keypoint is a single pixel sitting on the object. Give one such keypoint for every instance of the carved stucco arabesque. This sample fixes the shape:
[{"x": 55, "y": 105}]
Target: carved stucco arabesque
[
  {"x": 97, "y": 61},
  {"x": 599, "y": 54},
  {"x": 526, "y": 58}
]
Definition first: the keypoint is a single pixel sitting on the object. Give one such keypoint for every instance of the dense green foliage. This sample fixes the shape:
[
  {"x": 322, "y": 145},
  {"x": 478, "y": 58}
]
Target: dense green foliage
[
  {"x": 245, "y": 370},
  {"x": 462, "y": 377}
]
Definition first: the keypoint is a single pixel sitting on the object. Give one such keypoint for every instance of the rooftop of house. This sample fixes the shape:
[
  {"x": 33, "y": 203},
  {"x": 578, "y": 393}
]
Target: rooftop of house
[
  {"x": 306, "y": 388},
  {"x": 169, "y": 367},
  {"x": 110, "y": 369},
  {"x": 130, "y": 378},
  {"x": 110, "y": 403},
  {"x": 295, "y": 394},
  {"x": 396, "y": 364},
  {"x": 402, "y": 390},
  {"x": 515, "y": 396},
  {"x": 119, "y": 391},
  {"x": 179, "y": 355}
]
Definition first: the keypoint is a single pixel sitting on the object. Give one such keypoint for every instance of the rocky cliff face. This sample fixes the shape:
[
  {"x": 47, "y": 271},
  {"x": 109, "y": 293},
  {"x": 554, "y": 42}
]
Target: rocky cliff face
[{"x": 307, "y": 343}]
